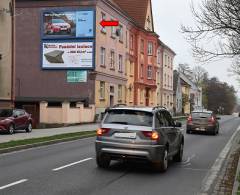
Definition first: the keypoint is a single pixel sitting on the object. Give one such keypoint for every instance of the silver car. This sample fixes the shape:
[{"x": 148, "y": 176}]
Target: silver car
[{"x": 137, "y": 133}]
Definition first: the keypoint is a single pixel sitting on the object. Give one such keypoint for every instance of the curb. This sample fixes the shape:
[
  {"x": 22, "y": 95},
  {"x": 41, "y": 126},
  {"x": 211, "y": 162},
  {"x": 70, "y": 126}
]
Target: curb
[
  {"x": 23, "y": 147},
  {"x": 236, "y": 182}
]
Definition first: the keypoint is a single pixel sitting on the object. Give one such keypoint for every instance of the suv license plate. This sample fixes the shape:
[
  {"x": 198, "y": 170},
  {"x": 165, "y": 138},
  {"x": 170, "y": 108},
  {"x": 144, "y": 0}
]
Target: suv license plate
[
  {"x": 201, "y": 129},
  {"x": 125, "y": 135}
]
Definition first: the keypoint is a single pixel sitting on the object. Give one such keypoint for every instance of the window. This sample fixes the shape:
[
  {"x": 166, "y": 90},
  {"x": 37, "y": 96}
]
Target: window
[
  {"x": 168, "y": 80},
  {"x": 120, "y": 63},
  {"x": 129, "y": 117},
  {"x": 131, "y": 42},
  {"x": 142, "y": 46},
  {"x": 102, "y": 56},
  {"x": 102, "y": 89},
  {"x": 149, "y": 72},
  {"x": 6, "y": 112},
  {"x": 148, "y": 23},
  {"x": 131, "y": 69},
  {"x": 141, "y": 71},
  {"x": 120, "y": 33},
  {"x": 165, "y": 78},
  {"x": 159, "y": 56},
  {"x": 165, "y": 59},
  {"x": 112, "y": 61},
  {"x": 103, "y": 30},
  {"x": 126, "y": 39},
  {"x": 111, "y": 89},
  {"x": 168, "y": 62},
  {"x": 150, "y": 48},
  {"x": 168, "y": 118},
  {"x": 113, "y": 31},
  {"x": 119, "y": 92}
]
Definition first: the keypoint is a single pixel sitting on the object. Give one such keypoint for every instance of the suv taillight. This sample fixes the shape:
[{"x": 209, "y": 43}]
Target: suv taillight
[
  {"x": 151, "y": 134},
  {"x": 189, "y": 120},
  {"x": 211, "y": 120},
  {"x": 102, "y": 131}
]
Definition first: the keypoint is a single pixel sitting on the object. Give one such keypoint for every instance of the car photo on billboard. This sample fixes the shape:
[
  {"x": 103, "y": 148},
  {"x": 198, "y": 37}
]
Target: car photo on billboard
[
  {"x": 68, "y": 24},
  {"x": 59, "y": 24}
]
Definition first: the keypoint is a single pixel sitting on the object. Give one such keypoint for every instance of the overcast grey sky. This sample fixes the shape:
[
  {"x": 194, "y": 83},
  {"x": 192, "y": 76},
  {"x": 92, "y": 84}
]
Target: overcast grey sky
[{"x": 168, "y": 17}]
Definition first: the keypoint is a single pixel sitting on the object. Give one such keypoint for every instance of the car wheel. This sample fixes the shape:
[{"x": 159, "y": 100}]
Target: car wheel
[
  {"x": 188, "y": 132},
  {"x": 29, "y": 128},
  {"x": 11, "y": 129},
  {"x": 179, "y": 155},
  {"x": 163, "y": 165},
  {"x": 103, "y": 161}
]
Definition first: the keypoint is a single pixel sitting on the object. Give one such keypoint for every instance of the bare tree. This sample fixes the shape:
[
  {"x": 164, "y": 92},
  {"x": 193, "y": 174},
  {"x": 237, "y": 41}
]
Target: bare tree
[
  {"x": 199, "y": 73},
  {"x": 217, "y": 30},
  {"x": 185, "y": 69}
]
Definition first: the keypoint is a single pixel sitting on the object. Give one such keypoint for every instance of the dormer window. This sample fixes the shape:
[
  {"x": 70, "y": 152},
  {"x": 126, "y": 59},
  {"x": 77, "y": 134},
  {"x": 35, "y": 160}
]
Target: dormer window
[{"x": 148, "y": 23}]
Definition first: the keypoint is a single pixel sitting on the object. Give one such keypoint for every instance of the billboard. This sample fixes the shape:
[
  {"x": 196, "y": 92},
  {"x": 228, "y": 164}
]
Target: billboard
[
  {"x": 67, "y": 55},
  {"x": 76, "y": 76},
  {"x": 68, "y": 24}
]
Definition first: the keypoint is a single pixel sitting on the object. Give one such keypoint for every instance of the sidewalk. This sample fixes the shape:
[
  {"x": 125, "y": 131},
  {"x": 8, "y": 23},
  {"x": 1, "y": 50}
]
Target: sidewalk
[
  {"x": 36, "y": 133},
  {"x": 227, "y": 176}
]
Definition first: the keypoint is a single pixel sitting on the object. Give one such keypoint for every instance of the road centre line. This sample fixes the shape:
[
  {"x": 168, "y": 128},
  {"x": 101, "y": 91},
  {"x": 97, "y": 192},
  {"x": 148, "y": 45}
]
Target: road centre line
[
  {"x": 12, "y": 184},
  {"x": 71, "y": 164}
]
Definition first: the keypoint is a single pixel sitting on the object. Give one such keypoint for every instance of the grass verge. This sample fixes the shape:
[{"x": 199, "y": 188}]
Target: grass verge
[{"x": 54, "y": 138}]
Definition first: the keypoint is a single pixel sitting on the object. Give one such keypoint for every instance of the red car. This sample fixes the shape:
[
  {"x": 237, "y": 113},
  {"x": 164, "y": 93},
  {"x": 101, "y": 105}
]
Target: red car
[
  {"x": 15, "y": 119},
  {"x": 58, "y": 26}
]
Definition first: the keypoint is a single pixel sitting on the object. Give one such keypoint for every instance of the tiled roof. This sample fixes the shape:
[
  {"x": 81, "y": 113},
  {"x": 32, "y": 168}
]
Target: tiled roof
[{"x": 136, "y": 9}]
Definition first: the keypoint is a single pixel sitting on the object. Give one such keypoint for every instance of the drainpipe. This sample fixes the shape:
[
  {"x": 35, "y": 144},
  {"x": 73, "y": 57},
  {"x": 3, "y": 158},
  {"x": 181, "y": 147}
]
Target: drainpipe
[{"x": 12, "y": 9}]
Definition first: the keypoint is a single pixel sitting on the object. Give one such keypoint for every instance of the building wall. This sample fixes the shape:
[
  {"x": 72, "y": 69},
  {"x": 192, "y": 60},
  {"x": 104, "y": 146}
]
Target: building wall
[
  {"x": 143, "y": 83},
  {"x": 159, "y": 75},
  {"x": 167, "y": 84},
  {"x": 31, "y": 80},
  {"x": 186, "y": 90},
  {"x": 6, "y": 54},
  {"x": 113, "y": 76}
]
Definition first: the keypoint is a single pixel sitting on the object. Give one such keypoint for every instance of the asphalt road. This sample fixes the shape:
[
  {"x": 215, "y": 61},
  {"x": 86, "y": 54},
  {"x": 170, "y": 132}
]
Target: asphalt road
[{"x": 70, "y": 168}]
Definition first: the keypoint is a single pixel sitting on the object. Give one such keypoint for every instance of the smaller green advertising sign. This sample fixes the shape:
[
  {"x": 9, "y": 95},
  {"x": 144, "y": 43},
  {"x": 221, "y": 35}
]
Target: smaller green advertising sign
[{"x": 76, "y": 76}]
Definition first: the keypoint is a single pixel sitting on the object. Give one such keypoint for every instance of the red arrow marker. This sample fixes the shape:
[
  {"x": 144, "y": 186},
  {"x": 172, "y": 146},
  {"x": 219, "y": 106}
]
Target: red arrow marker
[{"x": 109, "y": 23}]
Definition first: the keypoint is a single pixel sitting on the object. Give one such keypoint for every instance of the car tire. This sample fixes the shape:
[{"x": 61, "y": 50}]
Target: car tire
[
  {"x": 188, "y": 132},
  {"x": 179, "y": 155},
  {"x": 103, "y": 161},
  {"x": 11, "y": 129},
  {"x": 29, "y": 128},
  {"x": 163, "y": 165}
]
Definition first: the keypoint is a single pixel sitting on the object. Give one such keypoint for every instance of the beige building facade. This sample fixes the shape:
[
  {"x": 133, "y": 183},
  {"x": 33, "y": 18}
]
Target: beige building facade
[
  {"x": 167, "y": 77},
  {"x": 111, "y": 57},
  {"x": 6, "y": 53}
]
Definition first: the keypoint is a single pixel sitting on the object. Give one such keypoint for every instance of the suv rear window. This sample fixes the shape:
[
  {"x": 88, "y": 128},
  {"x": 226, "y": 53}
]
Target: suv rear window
[
  {"x": 129, "y": 117},
  {"x": 201, "y": 115}
]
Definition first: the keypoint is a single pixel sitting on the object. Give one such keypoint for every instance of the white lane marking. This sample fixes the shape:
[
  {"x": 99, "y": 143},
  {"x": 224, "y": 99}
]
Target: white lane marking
[
  {"x": 213, "y": 172},
  {"x": 13, "y": 184},
  {"x": 71, "y": 164}
]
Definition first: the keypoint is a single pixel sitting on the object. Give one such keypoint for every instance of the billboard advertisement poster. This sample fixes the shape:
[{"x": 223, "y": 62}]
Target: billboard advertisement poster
[
  {"x": 67, "y": 55},
  {"x": 76, "y": 76},
  {"x": 68, "y": 24}
]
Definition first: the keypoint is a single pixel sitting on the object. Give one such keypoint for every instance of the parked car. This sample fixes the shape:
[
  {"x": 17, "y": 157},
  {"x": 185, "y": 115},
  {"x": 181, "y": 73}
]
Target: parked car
[
  {"x": 135, "y": 133},
  {"x": 203, "y": 121},
  {"x": 15, "y": 119},
  {"x": 57, "y": 26}
]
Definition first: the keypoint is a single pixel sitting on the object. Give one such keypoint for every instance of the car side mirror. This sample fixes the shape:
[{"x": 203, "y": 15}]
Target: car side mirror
[
  {"x": 178, "y": 124},
  {"x": 15, "y": 116}
]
